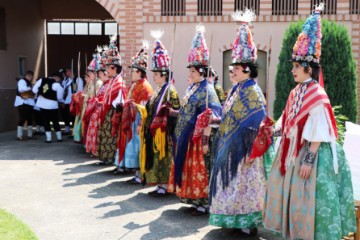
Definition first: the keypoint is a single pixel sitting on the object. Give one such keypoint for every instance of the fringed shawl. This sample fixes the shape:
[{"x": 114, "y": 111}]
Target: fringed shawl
[
  {"x": 237, "y": 131},
  {"x": 185, "y": 125},
  {"x": 116, "y": 84},
  {"x": 293, "y": 126}
]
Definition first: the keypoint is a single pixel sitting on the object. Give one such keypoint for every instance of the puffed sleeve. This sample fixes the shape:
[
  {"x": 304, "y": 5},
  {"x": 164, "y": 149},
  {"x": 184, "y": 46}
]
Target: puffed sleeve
[{"x": 318, "y": 126}]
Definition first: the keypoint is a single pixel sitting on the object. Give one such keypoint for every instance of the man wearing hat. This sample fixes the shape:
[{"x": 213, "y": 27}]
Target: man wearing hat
[{"x": 50, "y": 93}]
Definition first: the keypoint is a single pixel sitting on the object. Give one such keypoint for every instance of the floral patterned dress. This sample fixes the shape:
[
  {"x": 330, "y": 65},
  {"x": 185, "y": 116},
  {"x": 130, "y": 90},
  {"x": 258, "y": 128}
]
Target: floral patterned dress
[
  {"x": 190, "y": 171},
  {"x": 237, "y": 188}
]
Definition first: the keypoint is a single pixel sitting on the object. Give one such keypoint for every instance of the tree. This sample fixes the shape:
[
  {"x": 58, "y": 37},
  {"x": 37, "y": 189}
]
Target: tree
[{"x": 338, "y": 65}]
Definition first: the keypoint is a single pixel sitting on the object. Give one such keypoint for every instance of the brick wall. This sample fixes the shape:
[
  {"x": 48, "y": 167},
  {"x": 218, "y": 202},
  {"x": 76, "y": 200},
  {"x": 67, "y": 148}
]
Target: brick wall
[{"x": 132, "y": 15}]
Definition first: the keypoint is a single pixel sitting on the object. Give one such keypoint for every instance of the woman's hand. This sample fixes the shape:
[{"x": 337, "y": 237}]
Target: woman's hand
[
  {"x": 205, "y": 149},
  {"x": 305, "y": 171}
]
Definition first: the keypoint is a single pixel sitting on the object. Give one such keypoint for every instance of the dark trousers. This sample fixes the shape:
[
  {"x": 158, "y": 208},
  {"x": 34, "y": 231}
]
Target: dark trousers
[
  {"x": 38, "y": 118},
  {"x": 25, "y": 115},
  {"x": 50, "y": 115},
  {"x": 65, "y": 114}
]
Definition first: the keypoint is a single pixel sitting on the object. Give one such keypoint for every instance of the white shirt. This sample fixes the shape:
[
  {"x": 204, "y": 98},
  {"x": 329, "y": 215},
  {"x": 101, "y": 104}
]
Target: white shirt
[
  {"x": 22, "y": 87},
  {"x": 80, "y": 84},
  {"x": 67, "y": 82},
  {"x": 118, "y": 99},
  {"x": 47, "y": 103}
]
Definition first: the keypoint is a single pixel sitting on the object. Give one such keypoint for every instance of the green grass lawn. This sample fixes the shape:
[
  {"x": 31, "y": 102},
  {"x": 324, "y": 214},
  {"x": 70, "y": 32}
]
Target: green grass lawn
[{"x": 12, "y": 228}]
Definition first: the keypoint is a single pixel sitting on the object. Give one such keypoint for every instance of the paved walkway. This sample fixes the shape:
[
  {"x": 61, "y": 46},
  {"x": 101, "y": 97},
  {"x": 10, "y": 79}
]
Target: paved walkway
[{"x": 62, "y": 195}]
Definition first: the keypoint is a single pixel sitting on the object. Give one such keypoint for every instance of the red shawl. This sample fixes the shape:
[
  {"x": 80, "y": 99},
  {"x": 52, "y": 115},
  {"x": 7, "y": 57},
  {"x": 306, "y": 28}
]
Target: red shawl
[
  {"x": 142, "y": 91},
  {"x": 314, "y": 96},
  {"x": 160, "y": 120},
  {"x": 202, "y": 122},
  {"x": 77, "y": 103},
  {"x": 263, "y": 140},
  {"x": 116, "y": 84}
]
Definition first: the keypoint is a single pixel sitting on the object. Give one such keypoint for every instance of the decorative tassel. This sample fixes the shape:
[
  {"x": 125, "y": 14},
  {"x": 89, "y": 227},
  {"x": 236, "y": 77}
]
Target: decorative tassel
[{"x": 160, "y": 143}]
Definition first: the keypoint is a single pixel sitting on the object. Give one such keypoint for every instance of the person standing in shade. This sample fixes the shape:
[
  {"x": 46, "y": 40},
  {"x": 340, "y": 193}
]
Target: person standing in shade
[
  {"x": 309, "y": 192},
  {"x": 24, "y": 102},
  {"x": 107, "y": 141},
  {"x": 190, "y": 171},
  {"x": 50, "y": 92},
  {"x": 139, "y": 93}
]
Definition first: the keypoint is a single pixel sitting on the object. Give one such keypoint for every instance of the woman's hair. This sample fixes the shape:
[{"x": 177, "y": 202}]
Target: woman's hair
[
  {"x": 142, "y": 73},
  {"x": 253, "y": 72},
  {"x": 166, "y": 74},
  {"x": 201, "y": 70},
  {"x": 118, "y": 69},
  {"x": 314, "y": 73}
]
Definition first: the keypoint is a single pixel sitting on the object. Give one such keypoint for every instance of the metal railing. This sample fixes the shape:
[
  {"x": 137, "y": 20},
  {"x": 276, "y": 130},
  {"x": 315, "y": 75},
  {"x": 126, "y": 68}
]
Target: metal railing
[
  {"x": 172, "y": 7},
  {"x": 285, "y": 7},
  {"x": 354, "y": 7},
  {"x": 210, "y": 7},
  {"x": 251, "y": 4}
]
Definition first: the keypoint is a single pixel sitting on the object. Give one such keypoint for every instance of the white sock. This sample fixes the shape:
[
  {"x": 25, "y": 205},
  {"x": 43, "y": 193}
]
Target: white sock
[
  {"x": 29, "y": 131},
  {"x": 67, "y": 129}
]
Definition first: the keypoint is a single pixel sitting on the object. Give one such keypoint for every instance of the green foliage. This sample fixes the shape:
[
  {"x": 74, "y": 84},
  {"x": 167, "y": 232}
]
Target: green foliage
[
  {"x": 12, "y": 228},
  {"x": 338, "y": 64},
  {"x": 340, "y": 124}
]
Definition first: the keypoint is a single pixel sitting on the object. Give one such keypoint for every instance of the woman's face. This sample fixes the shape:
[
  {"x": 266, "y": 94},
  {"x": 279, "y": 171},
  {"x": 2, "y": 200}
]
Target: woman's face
[
  {"x": 299, "y": 73},
  {"x": 238, "y": 74},
  {"x": 87, "y": 78},
  {"x": 158, "y": 79},
  {"x": 111, "y": 70},
  {"x": 101, "y": 75},
  {"x": 91, "y": 75},
  {"x": 231, "y": 76},
  {"x": 135, "y": 74},
  {"x": 194, "y": 75}
]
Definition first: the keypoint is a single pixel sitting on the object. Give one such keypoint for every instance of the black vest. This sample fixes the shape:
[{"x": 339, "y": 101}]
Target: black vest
[
  {"x": 28, "y": 83},
  {"x": 46, "y": 90}
]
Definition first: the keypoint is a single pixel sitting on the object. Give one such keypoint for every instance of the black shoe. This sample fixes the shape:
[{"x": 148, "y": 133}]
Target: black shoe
[
  {"x": 115, "y": 170},
  {"x": 152, "y": 192},
  {"x": 101, "y": 163},
  {"x": 59, "y": 140},
  {"x": 48, "y": 141},
  {"x": 198, "y": 213},
  {"x": 133, "y": 181},
  {"x": 157, "y": 194}
]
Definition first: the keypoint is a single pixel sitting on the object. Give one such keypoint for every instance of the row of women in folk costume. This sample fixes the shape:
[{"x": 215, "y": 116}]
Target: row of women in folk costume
[{"x": 221, "y": 159}]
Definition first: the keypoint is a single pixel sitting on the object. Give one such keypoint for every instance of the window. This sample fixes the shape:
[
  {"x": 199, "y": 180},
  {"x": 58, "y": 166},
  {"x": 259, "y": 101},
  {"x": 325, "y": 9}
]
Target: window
[
  {"x": 250, "y": 4},
  {"x": 67, "y": 28},
  {"x": 111, "y": 28},
  {"x": 2, "y": 30},
  {"x": 95, "y": 29},
  {"x": 354, "y": 7},
  {"x": 22, "y": 66},
  {"x": 172, "y": 7},
  {"x": 81, "y": 28},
  {"x": 284, "y": 7},
  {"x": 330, "y": 6},
  {"x": 210, "y": 7},
  {"x": 53, "y": 28},
  {"x": 78, "y": 27}
]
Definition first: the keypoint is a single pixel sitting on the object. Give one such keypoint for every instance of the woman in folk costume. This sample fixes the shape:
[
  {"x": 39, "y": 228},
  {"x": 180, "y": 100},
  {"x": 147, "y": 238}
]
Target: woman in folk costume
[
  {"x": 191, "y": 168},
  {"x": 133, "y": 116},
  {"x": 159, "y": 126},
  {"x": 91, "y": 118},
  {"x": 116, "y": 87},
  {"x": 237, "y": 184},
  {"x": 91, "y": 88},
  {"x": 81, "y": 97},
  {"x": 309, "y": 193}
]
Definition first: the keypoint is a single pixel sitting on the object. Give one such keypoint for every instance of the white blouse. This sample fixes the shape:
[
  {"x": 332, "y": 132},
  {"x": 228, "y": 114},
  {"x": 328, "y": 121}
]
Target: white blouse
[{"x": 318, "y": 128}]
